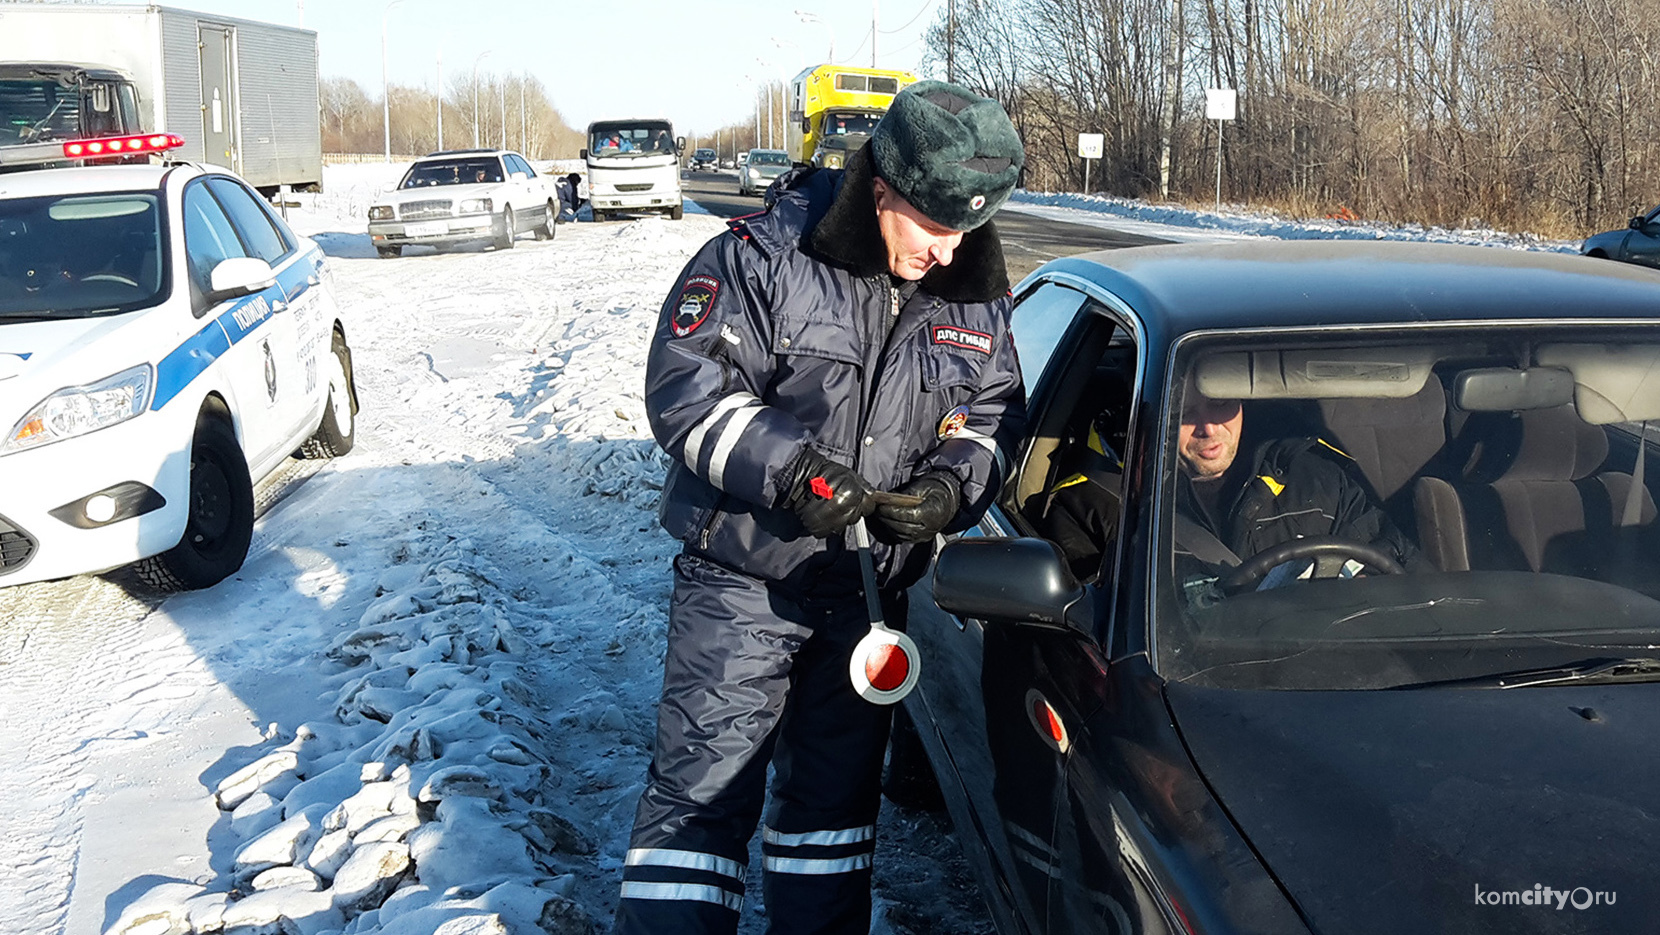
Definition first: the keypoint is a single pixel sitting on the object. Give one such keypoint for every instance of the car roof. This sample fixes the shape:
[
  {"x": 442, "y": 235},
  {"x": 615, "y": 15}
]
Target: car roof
[
  {"x": 1278, "y": 283},
  {"x": 758, "y": 150},
  {"x": 445, "y": 153},
  {"x": 74, "y": 180}
]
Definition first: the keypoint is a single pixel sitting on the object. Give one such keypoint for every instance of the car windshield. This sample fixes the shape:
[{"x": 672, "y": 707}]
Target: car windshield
[
  {"x": 452, "y": 172},
  {"x": 631, "y": 139},
  {"x": 74, "y": 256},
  {"x": 840, "y": 124},
  {"x": 1404, "y": 510},
  {"x": 769, "y": 159},
  {"x": 705, "y": 154}
]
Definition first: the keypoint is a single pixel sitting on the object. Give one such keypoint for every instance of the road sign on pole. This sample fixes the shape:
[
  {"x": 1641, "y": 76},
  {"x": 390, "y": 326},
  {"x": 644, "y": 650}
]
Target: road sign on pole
[
  {"x": 1090, "y": 146},
  {"x": 1220, "y": 104}
]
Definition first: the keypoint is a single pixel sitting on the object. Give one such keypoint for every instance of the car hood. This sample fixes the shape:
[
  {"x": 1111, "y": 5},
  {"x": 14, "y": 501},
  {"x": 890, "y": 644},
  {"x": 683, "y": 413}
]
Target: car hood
[
  {"x": 437, "y": 192},
  {"x": 1389, "y": 811}
]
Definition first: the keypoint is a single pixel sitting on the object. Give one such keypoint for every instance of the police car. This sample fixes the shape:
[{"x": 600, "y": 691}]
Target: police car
[{"x": 166, "y": 341}]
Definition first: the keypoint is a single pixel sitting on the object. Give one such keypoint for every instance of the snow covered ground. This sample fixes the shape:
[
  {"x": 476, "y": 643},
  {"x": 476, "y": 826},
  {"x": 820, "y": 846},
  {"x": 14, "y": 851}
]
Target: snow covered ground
[{"x": 425, "y": 703}]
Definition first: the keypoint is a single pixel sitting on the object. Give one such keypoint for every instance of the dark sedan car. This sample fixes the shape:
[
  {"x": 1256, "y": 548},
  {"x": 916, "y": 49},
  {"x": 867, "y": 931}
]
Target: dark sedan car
[
  {"x": 1314, "y": 739},
  {"x": 1637, "y": 242}
]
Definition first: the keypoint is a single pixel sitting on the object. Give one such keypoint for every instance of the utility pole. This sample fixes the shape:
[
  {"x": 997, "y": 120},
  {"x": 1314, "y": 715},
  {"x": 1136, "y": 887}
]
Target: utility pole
[
  {"x": 385, "y": 87},
  {"x": 504, "y": 114},
  {"x": 874, "y": 20},
  {"x": 951, "y": 41},
  {"x": 480, "y": 58},
  {"x": 440, "y": 96},
  {"x": 524, "y": 138}
]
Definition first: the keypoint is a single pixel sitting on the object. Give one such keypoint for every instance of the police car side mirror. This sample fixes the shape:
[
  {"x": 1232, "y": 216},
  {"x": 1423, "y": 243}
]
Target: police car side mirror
[
  {"x": 239, "y": 276},
  {"x": 1015, "y": 580}
]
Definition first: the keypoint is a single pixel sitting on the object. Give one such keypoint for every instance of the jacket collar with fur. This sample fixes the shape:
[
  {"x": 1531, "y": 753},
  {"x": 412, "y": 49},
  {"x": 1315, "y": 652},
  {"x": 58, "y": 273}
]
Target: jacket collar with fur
[{"x": 846, "y": 235}]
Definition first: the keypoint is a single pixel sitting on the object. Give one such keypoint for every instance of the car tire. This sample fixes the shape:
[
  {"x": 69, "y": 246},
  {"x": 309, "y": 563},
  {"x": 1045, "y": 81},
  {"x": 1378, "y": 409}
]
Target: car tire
[
  {"x": 505, "y": 231},
  {"x": 548, "y": 229},
  {"x": 337, "y": 433},
  {"x": 678, "y": 212},
  {"x": 220, "y": 522},
  {"x": 599, "y": 216},
  {"x": 907, "y": 779},
  {"x": 387, "y": 253}
]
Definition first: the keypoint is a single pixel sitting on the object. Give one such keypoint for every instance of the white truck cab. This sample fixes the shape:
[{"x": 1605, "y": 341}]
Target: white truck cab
[{"x": 633, "y": 167}]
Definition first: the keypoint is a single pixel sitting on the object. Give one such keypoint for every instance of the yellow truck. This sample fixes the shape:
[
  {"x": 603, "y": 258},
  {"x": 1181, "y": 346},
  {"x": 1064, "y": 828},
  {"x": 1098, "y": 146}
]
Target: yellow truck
[{"x": 833, "y": 108}]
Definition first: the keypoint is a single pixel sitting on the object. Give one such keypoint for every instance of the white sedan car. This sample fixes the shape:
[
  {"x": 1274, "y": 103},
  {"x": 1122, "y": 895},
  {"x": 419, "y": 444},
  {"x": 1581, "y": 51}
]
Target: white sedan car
[
  {"x": 165, "y": 342},
  {"x": 458, "y": 196}
]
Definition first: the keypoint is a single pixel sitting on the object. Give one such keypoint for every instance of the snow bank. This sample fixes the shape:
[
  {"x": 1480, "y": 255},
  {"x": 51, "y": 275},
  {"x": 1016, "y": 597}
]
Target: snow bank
[{"x": 1239, "y": 223}]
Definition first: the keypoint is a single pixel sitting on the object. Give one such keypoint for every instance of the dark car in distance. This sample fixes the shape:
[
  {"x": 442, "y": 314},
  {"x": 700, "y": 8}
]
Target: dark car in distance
[
  {"x": 1308, "y": 741},
  {"x": 1637, "y": 242},
  {"x": 703, "y": 160}
]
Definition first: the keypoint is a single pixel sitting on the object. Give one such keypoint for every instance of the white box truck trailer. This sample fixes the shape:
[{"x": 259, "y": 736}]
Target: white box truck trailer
[{"x": 242, "y": 94}]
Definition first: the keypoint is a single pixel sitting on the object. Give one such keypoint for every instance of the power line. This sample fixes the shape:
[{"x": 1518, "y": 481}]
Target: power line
[{"x": 925, "y": 5}]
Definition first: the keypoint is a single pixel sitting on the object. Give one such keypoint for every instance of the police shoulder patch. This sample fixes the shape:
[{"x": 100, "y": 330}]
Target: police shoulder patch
[
  {"x": 962, "y": 337},
  {"x": 697, "y": 300}
]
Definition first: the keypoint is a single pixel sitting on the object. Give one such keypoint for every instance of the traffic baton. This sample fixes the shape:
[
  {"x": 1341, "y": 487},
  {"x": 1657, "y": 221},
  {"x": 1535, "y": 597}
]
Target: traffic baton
[{"x": 885, "y": 664}]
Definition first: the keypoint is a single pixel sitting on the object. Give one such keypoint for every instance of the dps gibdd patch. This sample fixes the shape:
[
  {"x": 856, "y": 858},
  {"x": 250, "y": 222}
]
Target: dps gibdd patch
[{"x": 697, "y": 300}]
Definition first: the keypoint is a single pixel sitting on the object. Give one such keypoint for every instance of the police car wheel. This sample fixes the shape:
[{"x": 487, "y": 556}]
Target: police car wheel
[
  {"x": 907, "y": 779},
  {"x": 387, "y": 253},
  {"x": 504, "y": 230},
  {"x": 550, "y": 219},
  {"x": 220, "y": 523},
  {"x": 337, "y": 432}
]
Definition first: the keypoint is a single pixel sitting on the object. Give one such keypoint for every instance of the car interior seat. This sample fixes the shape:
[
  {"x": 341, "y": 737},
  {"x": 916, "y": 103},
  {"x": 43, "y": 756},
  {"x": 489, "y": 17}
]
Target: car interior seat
[{"x": 1533, "y": 497}]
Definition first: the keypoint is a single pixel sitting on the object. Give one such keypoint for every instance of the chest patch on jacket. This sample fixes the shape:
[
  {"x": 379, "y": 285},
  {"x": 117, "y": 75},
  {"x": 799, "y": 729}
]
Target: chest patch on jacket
[
  {"x": 697, "y": 299},
  {"x": 962, "y": 337}
]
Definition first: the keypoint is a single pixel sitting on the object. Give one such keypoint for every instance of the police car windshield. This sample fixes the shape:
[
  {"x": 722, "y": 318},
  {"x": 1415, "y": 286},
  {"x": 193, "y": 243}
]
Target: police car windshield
[
  {"x": 452, "y": 172},
  {"x": 73, "y": 256}
]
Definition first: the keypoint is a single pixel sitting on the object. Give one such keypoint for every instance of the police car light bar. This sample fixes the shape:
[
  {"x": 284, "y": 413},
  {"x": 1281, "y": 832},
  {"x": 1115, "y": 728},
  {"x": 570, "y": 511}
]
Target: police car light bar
[{"x": 122, "y": 145}]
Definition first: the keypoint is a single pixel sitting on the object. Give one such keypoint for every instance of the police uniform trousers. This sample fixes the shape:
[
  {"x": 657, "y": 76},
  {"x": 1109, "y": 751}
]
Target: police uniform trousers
[{"x": 757, "y": 674}]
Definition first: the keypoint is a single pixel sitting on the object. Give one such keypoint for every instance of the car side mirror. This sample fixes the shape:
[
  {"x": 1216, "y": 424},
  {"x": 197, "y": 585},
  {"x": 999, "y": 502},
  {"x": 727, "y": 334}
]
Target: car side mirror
[
  {"x": 1636, "y": 223},
  {"x": 519, "y": 176},
  {"x": 582, "y": 154},
  {"x": 239, "y": 276},
  {"x": 1016, "y": 580}
]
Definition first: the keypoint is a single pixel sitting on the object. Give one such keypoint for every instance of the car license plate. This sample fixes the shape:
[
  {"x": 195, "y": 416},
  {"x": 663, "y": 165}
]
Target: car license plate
[{"x": 426, "y": 228}]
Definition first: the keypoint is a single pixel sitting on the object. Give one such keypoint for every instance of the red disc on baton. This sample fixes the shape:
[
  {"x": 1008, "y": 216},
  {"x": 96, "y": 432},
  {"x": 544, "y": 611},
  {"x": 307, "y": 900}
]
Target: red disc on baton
[{"x": 885, "y": 666}]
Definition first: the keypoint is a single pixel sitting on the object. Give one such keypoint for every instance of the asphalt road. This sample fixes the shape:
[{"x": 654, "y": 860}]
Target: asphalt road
[{"x": 1029, "y": 241}]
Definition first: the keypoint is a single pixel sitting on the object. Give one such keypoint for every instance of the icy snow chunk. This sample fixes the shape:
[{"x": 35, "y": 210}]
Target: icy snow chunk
[
  {"x": 388, "y": 828},
  {"x": 266, "y": 770},
  {"x": 459, "y": 780},
  {"x": 511, "y": 753},
  {"x": 560, "y": 916},
  {"x": 467, "y": 843},
  {"x": 360, "y": 645},
  {"x": 286, "y": 876},
  {"x": 328, "y": 788},
  {"x": 370, "y": 875},
  {"x": 366, "y": 805},
  {"x": 559, "y": 833},
  {"x": 444, "y": 920},
  {"x": 407, "y": 899},
  {"x": 284, "y": 844},
  {"x": 257, "y": 814},
  {"x": 160, "y": 911},
  {"x": 329, "y": 853},
  {"x": 284, "y": 910}
]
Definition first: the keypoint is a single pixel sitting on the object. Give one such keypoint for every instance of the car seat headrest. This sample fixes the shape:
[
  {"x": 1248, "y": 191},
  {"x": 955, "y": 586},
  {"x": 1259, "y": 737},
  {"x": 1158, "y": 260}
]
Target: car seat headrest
[{"x": 1535, "y": 445}]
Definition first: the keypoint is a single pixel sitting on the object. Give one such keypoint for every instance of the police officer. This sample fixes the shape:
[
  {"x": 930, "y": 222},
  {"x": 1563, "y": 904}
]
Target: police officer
[{"x": 854, "y": 338}]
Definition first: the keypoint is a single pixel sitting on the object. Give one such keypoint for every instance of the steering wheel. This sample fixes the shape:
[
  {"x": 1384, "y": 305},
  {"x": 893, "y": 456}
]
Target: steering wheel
[{"x": 1329, "y": 554}]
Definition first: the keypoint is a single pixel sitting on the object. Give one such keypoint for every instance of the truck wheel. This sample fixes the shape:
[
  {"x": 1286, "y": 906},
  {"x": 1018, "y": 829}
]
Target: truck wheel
[
  {"x": 599, "y": 216},
  {"x": 337, "y": 432},
  {"x": 549, "y": 226},
  {"x": 387, "y": 253},
  {"x": 221, "y": 519},
  {"x": 504, "y": 231},
  {"x": 678, "y": 212},
  {"x": 907, "y": 779}
]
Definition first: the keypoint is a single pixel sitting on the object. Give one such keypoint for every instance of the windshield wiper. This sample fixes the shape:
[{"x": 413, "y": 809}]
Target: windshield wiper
[{"x": 1600, "y": 670}]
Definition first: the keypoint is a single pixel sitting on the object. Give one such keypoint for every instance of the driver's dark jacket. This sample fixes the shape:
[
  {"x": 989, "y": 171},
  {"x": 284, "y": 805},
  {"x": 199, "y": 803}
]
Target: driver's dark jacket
[
  {"x": 806, "y": 343},
  {"x": 1293, "y": 488}
]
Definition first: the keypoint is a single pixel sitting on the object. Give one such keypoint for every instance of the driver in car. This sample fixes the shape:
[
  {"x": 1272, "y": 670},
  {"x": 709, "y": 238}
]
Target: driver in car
[{"x": 1286, "y": 489}]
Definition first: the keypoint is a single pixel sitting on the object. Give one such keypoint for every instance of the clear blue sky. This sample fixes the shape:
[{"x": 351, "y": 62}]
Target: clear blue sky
[{"x": 606, "y": 58}]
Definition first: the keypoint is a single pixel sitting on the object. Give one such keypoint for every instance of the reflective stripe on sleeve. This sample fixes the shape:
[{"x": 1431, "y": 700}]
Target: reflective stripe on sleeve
[
  {"x": 694, "y": 438},
  {"x": 727, "y": 441},
  {"x": 688, "y": 892},
  {"x": 817, "y": 867},
  {"x": 819, "y": 838},
  {"x": 989, "y": 444},
  {"x": 690, "y": 860}
]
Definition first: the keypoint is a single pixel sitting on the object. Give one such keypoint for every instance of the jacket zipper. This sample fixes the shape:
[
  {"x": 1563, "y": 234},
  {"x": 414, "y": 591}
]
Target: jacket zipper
[{"x": 867, "y": 374}]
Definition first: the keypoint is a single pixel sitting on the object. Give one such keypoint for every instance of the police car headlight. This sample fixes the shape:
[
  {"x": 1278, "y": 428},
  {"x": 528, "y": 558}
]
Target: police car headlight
[
  {"x": 476, "y": 206},
  {"x": 77, "y": 410},
  {"x": 380, "y": 213}
]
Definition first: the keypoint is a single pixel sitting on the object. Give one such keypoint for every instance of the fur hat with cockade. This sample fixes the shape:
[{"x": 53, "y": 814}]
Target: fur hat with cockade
[{"x": 951, "y": 153}]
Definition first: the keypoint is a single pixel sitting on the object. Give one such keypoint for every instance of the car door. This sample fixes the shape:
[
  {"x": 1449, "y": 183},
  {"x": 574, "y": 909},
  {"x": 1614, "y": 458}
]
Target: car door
[
  {"x": 526, "y": 192},
  {"x": 290, "y": 334},
  {"x": 241, "y": 350},
  {"x": 988, "y": 692},
  {"x": 1642, "y": 245}
]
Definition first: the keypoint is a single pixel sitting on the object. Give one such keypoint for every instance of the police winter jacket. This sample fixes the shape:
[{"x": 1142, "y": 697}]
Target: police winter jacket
[
  {"x": 788, "y": 332},
  {"x": 1295, "y": 488}
]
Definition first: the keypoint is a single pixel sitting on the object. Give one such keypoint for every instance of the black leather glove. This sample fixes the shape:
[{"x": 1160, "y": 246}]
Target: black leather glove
[
  {"x": 826, "y": 495},
  {"x": 942, "y": 496}
]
